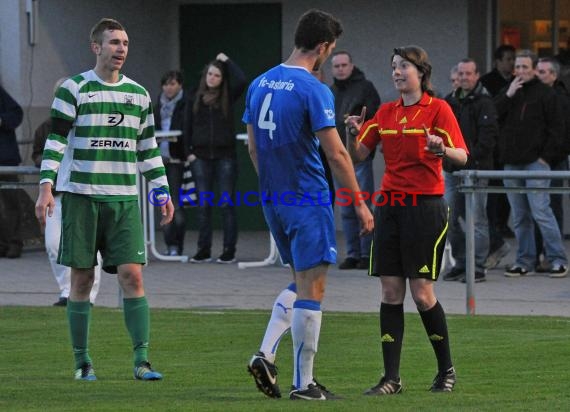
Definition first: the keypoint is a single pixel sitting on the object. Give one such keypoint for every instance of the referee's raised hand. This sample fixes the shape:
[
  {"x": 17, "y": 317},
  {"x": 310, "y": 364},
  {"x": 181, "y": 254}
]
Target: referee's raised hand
[
  {"x": 354, "y": 123},
  {"x": 434, "y": 143}
]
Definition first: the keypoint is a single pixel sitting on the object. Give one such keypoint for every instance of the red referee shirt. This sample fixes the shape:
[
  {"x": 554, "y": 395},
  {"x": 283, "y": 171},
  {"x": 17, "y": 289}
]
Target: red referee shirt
[{"x": 409, "y": 167}]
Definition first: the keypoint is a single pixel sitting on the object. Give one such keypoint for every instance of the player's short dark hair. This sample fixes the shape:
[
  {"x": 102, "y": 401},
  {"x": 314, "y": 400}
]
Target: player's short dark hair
[
  {"x": 419, "y": 58},
  {"x": 500, "y": 51},
  {"x": 172, "y": 75},
  {"x": 96, "y": 35},
  {"x": 315, "y": 27}
]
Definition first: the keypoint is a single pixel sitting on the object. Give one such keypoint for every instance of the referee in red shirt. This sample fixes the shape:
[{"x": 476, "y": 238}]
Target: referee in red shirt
[{"x": 415, "y": 133}]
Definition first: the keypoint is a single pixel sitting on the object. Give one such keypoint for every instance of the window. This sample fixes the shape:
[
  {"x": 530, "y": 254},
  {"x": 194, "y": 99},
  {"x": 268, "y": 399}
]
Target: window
[{"x": 528, "y": 24}]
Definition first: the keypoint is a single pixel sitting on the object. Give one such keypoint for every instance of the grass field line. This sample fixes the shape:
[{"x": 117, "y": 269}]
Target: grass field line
[{"x": 504, "y": 363}]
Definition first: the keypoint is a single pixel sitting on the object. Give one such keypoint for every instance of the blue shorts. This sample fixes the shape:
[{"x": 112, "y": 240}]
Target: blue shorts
[{"x": 305, "y": 236}]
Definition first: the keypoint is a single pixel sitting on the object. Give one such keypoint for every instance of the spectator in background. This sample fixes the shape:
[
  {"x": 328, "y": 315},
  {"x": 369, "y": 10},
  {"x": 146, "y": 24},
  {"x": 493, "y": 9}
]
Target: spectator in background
[
  {"x": 209, "y": 127},
  {"x": 454, "y": 78},
  {"x": 531, "y": 135},
  {"x": 477, "y": 118},
  {"x": 548, "y": 72},
  {"x": 498, "y": 208},
  {"x": 502, "y": 74},
  {"x": 352, "y": 92},
  {"x": 169, "y": 115},
  {"x": 11, "y": 212},
  {"x": 52, "y": 233}
]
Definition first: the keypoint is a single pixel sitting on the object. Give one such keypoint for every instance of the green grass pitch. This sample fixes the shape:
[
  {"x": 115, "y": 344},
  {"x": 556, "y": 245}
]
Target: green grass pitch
[{"x": 503, "y": 363}]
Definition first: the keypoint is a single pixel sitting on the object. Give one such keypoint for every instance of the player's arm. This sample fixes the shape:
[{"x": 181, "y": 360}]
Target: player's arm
[
  {"x": 343, "y": 171},
  {"x": 63, "y": 115},
  {"x": 150, "y": 163},
  {"x": 251, "y": 146},
  {"x": 54, "y": 148},
  {"x": 45, "y": 203}
]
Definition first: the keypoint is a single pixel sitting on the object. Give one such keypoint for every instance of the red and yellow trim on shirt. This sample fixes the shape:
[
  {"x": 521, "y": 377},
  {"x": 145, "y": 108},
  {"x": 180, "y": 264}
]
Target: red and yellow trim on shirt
[{"x": 409, "y": 167}]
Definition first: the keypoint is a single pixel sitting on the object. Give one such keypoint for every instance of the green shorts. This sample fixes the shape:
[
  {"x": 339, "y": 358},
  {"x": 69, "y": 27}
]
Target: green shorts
[{"x": 113, "y": 228}]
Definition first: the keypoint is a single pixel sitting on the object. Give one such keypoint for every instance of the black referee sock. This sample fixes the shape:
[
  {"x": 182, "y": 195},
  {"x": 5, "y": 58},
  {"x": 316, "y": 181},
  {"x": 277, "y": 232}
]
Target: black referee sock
[
  {"x": 436, "y": 328},
  {"x": 391, "y": 335}
]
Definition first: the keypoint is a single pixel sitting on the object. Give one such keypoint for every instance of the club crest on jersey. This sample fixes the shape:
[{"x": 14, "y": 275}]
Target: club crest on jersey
[{"x": 129, "y": 100}]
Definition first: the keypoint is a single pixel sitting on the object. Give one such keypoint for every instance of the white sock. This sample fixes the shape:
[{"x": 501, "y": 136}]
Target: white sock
[
  {"x": 279, "y": 323},
  {"x": 305, "y": 330}
]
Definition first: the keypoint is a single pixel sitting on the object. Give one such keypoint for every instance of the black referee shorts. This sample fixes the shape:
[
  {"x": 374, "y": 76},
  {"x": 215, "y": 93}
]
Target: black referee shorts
[{"x": 409, "y": 235}]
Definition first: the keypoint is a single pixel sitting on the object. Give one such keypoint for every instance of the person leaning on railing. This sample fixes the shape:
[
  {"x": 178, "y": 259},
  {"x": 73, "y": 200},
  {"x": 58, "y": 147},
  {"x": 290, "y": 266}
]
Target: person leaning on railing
[{"x": 11, "y": 212}]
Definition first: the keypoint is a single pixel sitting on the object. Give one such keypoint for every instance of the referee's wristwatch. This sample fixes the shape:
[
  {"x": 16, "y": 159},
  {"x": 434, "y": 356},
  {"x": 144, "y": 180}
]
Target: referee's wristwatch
[{"x": 441, "y": 154}]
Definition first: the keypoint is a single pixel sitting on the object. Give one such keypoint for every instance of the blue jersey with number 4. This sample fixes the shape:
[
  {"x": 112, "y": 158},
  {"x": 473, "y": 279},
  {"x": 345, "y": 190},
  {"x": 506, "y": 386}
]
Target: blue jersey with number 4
[{"x": 286, "y": 106}]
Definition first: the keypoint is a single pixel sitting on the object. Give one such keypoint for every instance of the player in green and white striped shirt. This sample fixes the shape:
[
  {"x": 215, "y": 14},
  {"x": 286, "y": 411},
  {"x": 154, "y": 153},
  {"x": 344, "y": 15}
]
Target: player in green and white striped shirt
[{"x": 102, "y": 131}]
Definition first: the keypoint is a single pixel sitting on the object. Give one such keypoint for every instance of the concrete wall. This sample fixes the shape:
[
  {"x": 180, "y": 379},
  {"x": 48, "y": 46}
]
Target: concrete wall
[
  {"x": 62, "y": 48},
  {"x": 11, "y": 43},
  {"x": 374, "y": 27}
]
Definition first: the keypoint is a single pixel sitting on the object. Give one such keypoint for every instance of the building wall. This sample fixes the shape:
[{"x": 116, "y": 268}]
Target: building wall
[
  {"x": 63, "y": 48},
  {"x": 11, "y": 43},
  {"x": 372, "y": 29}
]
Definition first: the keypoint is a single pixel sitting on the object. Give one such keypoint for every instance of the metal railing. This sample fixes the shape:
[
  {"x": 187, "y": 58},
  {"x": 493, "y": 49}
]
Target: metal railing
[
  {"x": 17, "y": 171},
  {"x": 147, "y": 213},
  {"x": 470, "y": 185}
]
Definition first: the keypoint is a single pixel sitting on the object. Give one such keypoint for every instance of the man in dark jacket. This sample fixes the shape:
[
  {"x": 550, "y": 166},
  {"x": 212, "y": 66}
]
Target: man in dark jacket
[
  {"x": 502, "y": 74},
  {"x": 532, "y": 127},
  {"x": 498, "y": 208},
  {"x": 548, "y": 72},
  {"x": 11, "y": 115},
  {"x": 352, "y": 91},
  {"x": 477, "y": 119}
]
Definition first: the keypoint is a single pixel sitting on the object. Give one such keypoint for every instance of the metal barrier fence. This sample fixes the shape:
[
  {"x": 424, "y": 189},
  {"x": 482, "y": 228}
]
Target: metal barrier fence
[
  {"x": 147, "y": 212},
  {"x": 470, "y": 185},
  {"x": 18, "y": 171}
]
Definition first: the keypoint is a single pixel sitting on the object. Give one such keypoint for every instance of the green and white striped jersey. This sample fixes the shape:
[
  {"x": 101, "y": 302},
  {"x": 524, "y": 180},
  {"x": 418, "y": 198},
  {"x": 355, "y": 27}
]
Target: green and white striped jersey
[{"x": 112, "y": 132}]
